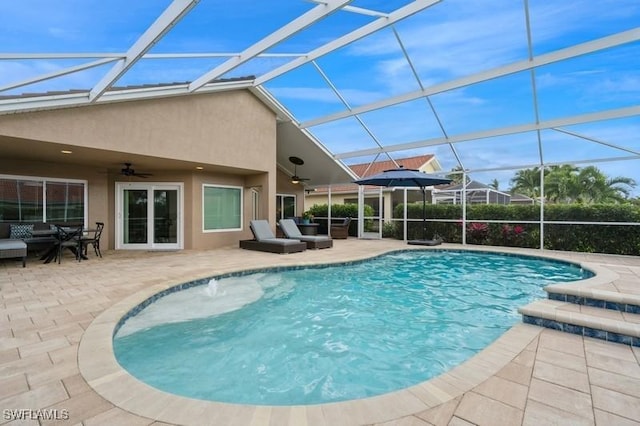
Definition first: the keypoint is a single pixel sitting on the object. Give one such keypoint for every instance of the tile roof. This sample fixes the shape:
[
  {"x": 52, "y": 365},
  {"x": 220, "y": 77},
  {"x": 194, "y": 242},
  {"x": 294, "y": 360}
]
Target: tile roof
[
  {"x": 381, "y": 166},
  {"x": 378, "y": 167}
]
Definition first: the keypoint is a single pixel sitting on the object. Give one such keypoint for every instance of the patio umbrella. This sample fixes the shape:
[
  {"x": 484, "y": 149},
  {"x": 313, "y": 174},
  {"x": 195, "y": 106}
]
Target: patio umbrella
[{"x": 402, "y": 177}]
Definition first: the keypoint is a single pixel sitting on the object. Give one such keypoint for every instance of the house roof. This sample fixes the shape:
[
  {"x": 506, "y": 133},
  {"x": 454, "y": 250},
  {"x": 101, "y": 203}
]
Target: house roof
[
  {"x": 324, "y": 169},
  {"x": 369, "y": 169}
]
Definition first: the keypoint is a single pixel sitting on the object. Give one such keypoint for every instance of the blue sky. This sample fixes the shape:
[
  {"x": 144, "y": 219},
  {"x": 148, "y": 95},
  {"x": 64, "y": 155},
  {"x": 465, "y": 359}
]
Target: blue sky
[{"x": 446, "y": 42}]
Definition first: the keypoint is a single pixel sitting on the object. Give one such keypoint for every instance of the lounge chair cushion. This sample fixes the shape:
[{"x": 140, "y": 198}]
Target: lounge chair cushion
[
  {"x": 281, "y": 241},
  {"x": 289, "y": 228},
  {"x": 261, "y": 230}
]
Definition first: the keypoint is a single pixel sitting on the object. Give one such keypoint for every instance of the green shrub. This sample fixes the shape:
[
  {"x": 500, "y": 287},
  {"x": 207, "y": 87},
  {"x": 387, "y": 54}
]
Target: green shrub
[
  {"x": 321, "y": 212},
  {"x": 615, "y": 239}
]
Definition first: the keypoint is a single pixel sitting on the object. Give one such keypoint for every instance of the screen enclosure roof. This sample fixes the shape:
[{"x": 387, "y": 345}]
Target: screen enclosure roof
[{"x": 489, "y": 87}]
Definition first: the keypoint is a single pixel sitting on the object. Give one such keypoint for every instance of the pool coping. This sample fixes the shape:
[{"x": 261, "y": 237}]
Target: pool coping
[{"x": 99, "y": 367}]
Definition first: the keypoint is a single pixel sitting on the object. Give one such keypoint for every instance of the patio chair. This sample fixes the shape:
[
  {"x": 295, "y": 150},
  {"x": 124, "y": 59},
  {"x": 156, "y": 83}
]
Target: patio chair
[
  {"x": 266, "y": 241},
  {"x": 290, "y": 230},
  {"x": 93, "y": 240},
  {"x": 340, "y": 230},
  {"x": 69, "y": 237}
]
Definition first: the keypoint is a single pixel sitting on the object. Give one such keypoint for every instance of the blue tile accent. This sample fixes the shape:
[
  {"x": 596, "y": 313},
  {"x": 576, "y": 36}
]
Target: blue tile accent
[
  {"x": 597, "y": 334},
  {"x": 582, "y": 331},
  {"x": 573, "y": 329},
  {"x": 558, "y": 296},
  {"x": 575, "y": 299},
  {"x": 596, "y": 303},
  {"x": 614, "y": 306},
  {"x": 620, "y": 338},
  {"x": 632, "y": 309},
  {"x": 555, "y": 325},
  {"x": 532, "y": 320}
]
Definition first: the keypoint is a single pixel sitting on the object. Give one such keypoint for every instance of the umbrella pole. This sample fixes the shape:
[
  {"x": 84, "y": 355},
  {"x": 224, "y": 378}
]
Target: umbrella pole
[{"x": 424, "y": 213}]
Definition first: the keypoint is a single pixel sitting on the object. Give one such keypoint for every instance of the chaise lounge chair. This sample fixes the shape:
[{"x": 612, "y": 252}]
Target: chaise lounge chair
[
  {"x": 290, "y": 230},
  {"x": 266, "y": 241}
]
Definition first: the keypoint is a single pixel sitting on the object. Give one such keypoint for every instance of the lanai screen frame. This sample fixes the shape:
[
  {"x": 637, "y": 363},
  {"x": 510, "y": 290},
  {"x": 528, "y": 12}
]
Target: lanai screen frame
[{"x": 121, "y": 63}]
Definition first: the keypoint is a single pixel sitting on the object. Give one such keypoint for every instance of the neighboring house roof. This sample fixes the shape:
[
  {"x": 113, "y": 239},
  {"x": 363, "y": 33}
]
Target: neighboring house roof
[
  {"x": 474, "y": 184},
  {"x": 368, "y": 169},
  {"x": 363, "y": 170},
  {"x": 521, "y": 198}
]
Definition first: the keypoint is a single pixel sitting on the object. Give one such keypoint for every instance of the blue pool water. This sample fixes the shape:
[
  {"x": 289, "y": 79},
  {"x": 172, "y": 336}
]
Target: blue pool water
[{"x": 316, "y": 335}]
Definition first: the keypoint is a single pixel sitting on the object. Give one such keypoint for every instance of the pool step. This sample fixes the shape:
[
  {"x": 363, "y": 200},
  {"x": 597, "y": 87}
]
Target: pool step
[
  {"x": 595, "y": 297},
  {"x": 612, "y": 325}
]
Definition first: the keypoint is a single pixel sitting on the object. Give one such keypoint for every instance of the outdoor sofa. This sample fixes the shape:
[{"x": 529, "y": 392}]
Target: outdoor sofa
[{"x": 13, "y": 248}]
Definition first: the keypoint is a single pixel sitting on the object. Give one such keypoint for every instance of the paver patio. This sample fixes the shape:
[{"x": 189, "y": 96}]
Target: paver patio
[{"x": 530, "y": 376}]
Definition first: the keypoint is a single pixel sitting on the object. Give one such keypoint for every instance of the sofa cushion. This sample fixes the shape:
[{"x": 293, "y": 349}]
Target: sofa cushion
[{"x": 20, "y": 231}]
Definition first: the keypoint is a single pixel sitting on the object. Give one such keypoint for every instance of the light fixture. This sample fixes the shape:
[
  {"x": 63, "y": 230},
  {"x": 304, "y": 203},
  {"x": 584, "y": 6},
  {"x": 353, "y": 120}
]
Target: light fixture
[
  {"x": 296, "y": 161},
  {"x": 199, "y": 168},
  {"x": 66, "y": 151}
]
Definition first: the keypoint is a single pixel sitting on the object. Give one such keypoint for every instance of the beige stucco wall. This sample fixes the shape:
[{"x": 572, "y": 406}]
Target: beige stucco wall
[
  {"x": 97, "y": 185},
  {"x": 230, "y": 129}
]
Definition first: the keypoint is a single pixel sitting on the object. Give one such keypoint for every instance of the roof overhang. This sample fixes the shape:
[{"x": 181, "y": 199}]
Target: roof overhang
[{"x": 320, "y": 168}]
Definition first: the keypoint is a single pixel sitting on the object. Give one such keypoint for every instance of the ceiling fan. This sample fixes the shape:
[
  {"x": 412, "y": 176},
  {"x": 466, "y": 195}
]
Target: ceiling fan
[
  {"x": 297, "y": 161},
  {"x": 128, "y": 171}
]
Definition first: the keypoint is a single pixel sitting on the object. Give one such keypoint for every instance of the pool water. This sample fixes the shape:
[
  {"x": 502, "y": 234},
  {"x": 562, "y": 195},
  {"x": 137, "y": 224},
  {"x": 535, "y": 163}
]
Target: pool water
[{"x": 317, "y": 335}]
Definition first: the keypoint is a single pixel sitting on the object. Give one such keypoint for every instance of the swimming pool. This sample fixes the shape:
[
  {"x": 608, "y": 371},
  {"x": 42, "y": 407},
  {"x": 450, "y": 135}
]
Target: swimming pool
[{"x": 331, "y": 333}]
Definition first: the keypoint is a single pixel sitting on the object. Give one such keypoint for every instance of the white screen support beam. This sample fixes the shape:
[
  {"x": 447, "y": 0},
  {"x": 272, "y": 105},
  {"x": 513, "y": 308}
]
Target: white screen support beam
[
  {"x": 380, "y": 23},
  {"x": 503, "y": 131},
  {"x": 159, "y": 28},
  {"x": 59, "y": 73},
  {"x": 618, "y": 39},
  {"x": 317, "y": 13}
]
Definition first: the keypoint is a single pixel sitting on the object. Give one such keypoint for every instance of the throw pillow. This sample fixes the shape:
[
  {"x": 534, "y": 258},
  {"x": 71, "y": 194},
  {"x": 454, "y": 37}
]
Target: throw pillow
[{"x": 20, "y": 231}]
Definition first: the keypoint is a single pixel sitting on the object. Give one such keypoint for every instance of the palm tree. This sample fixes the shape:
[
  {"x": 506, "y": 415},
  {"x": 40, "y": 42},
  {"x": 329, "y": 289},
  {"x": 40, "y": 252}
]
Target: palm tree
[
  {"x": 456, "y": 178},
  {"x": 494, "y": 184},
  {"x": 561, "y": 184},
  {"x": 570, "y": 184},
  {"x": 598, "y": 188},
  {"x": 527, "y": 182}
]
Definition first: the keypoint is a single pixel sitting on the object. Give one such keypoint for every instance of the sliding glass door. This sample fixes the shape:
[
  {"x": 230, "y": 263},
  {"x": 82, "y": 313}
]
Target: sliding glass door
[{"x": 149, "y": 216}]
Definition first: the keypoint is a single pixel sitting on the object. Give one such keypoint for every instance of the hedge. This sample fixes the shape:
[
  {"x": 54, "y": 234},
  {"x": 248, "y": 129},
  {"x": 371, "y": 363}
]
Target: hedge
[
  {"x": 614, "y": 239},
  {"x": 321, "y": 212}
]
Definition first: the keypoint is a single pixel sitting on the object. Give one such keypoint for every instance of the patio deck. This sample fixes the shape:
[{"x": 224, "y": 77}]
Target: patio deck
[{"x": 529, "y": 376}]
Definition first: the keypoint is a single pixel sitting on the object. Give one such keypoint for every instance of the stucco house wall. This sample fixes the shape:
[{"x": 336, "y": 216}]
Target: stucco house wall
[{"x": 232, "y": 134}]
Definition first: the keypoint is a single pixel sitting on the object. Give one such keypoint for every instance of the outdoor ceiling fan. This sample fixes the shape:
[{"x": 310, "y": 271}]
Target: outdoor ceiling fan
[
  {"x": 297, "y": 161},
  {"x": 128, "y": 171}
]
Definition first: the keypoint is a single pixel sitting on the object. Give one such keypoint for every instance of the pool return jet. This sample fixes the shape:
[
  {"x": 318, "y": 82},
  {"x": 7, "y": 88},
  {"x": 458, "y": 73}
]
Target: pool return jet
[{"x": 408, "y": 178}]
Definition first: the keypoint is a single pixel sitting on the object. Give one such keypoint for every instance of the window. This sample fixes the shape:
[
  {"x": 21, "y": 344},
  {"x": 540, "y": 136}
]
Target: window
[
  {"x": 221, "y": 208},
  {"x": 285, "y": 206},
  {"x": 65, "y": 202},
  {"x": 24, "y": 199}
]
